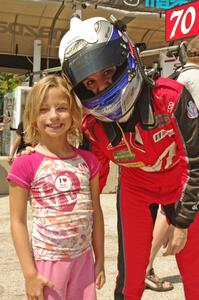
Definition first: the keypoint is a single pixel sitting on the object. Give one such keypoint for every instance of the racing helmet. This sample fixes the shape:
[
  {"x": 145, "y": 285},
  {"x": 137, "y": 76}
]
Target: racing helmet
[{"x": 91, "y": 46}]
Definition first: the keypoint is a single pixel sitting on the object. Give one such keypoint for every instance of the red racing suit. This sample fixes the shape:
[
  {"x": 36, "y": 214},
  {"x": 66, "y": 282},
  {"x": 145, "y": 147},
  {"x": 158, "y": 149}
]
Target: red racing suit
[{"x": 158, "y": 151}]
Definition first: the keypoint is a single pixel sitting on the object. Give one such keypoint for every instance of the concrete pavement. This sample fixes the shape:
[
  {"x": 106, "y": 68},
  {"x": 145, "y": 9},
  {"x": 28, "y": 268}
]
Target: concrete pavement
[{"x": 11, "y": 280}]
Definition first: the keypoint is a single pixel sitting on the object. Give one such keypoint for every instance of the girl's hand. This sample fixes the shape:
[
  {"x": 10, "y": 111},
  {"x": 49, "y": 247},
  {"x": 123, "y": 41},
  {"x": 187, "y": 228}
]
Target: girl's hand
[
  {"x": 100, "y": 276},
  {"x": 10, "y": 159},
  {"x": 35, "y": 285},
  {"x": 27, "y": 150}
]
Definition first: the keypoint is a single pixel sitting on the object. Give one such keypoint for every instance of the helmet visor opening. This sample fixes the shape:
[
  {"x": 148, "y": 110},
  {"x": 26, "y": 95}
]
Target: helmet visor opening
[{"x": 86, "y": 95}]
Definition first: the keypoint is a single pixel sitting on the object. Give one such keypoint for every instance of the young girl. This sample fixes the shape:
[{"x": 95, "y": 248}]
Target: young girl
[{"x": 61, "y": 183}]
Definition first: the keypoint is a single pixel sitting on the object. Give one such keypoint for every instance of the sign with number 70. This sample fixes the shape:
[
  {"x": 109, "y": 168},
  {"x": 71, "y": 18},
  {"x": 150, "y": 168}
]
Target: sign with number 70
[{"x": 182, "y": 21}]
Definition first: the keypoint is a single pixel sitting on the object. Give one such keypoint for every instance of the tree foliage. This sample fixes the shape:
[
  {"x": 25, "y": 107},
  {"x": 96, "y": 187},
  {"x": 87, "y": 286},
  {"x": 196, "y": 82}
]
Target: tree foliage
[{"x": 9, "y": 81}]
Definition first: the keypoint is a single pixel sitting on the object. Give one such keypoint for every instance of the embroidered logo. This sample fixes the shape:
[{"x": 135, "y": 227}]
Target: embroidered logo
[
  {"x": 158, "y": 136},
  {"x": 123, "y": 155},
  {"x": 192, "y": 111},
  {"x": 161, "y": 119},
  {"x": 138, "y": 164}
]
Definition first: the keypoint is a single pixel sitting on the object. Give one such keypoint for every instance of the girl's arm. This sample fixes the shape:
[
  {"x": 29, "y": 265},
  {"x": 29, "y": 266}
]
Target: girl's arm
[
  {"x": 98, "y": 233},
  {"x": 34, "y": 281}
]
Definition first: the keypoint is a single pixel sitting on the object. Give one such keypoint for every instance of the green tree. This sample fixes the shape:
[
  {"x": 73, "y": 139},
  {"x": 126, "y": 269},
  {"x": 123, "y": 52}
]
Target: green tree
[{"x": 9, "y": 81}]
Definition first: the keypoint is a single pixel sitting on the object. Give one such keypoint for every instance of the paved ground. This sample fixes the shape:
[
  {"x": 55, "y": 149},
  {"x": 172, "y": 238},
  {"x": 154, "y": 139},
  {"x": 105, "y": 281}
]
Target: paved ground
[{"x": 11, "y": 281}]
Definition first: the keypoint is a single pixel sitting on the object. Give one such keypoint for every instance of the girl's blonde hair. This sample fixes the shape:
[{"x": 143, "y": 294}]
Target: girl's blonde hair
[{"x": 34, "y": 100}]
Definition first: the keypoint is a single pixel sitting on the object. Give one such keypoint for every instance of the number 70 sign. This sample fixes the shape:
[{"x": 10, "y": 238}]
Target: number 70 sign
[{"x": 182, "y": 21}]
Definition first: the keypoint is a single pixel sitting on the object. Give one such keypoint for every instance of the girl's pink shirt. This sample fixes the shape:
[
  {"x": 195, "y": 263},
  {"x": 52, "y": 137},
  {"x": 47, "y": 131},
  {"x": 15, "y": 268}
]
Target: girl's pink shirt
[{"x": 61, "y": 202}]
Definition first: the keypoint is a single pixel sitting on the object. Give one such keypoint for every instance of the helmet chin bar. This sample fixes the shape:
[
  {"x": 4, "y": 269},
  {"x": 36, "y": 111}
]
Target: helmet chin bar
[
  {"x": 98, "y": 116},
  {"x": 102, "y": 118}
]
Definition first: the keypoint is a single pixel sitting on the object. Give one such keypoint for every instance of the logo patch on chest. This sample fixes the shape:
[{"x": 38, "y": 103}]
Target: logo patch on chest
[
  {"x": 158, "y": 136},
  {"x": 161, "y": 119},
  {"x": 63, "y": 183},
  {"x": 123, "y": 155}
]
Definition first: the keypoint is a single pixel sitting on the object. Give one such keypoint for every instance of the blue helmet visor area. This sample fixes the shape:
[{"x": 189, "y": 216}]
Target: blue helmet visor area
[
  {"x": 114, "y": 102},
  {"x": 108, "y": 104}
]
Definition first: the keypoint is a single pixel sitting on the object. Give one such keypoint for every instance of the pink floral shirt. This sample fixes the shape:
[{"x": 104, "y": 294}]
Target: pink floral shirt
[{"x": 61, "y": 202}]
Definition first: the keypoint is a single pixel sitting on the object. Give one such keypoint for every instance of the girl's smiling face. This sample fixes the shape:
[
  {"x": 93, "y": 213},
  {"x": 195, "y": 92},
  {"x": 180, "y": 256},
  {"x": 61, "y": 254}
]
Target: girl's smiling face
[{"x": 54, "y": 119}]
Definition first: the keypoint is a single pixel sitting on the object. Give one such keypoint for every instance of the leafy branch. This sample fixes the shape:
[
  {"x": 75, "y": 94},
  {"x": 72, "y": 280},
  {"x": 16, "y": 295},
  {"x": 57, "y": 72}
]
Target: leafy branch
[{"x": 9, "y": 81}]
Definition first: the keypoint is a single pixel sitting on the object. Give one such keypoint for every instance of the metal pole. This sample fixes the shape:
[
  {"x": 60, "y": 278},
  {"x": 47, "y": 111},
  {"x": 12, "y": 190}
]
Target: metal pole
[
  {"x": 36, "y": 59},
  {"x": 158, "y": 51}
]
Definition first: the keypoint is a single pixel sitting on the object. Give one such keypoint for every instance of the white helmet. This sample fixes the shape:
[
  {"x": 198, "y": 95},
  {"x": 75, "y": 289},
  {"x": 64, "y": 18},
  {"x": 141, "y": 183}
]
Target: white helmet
[{"x": 91, "y": 46}]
